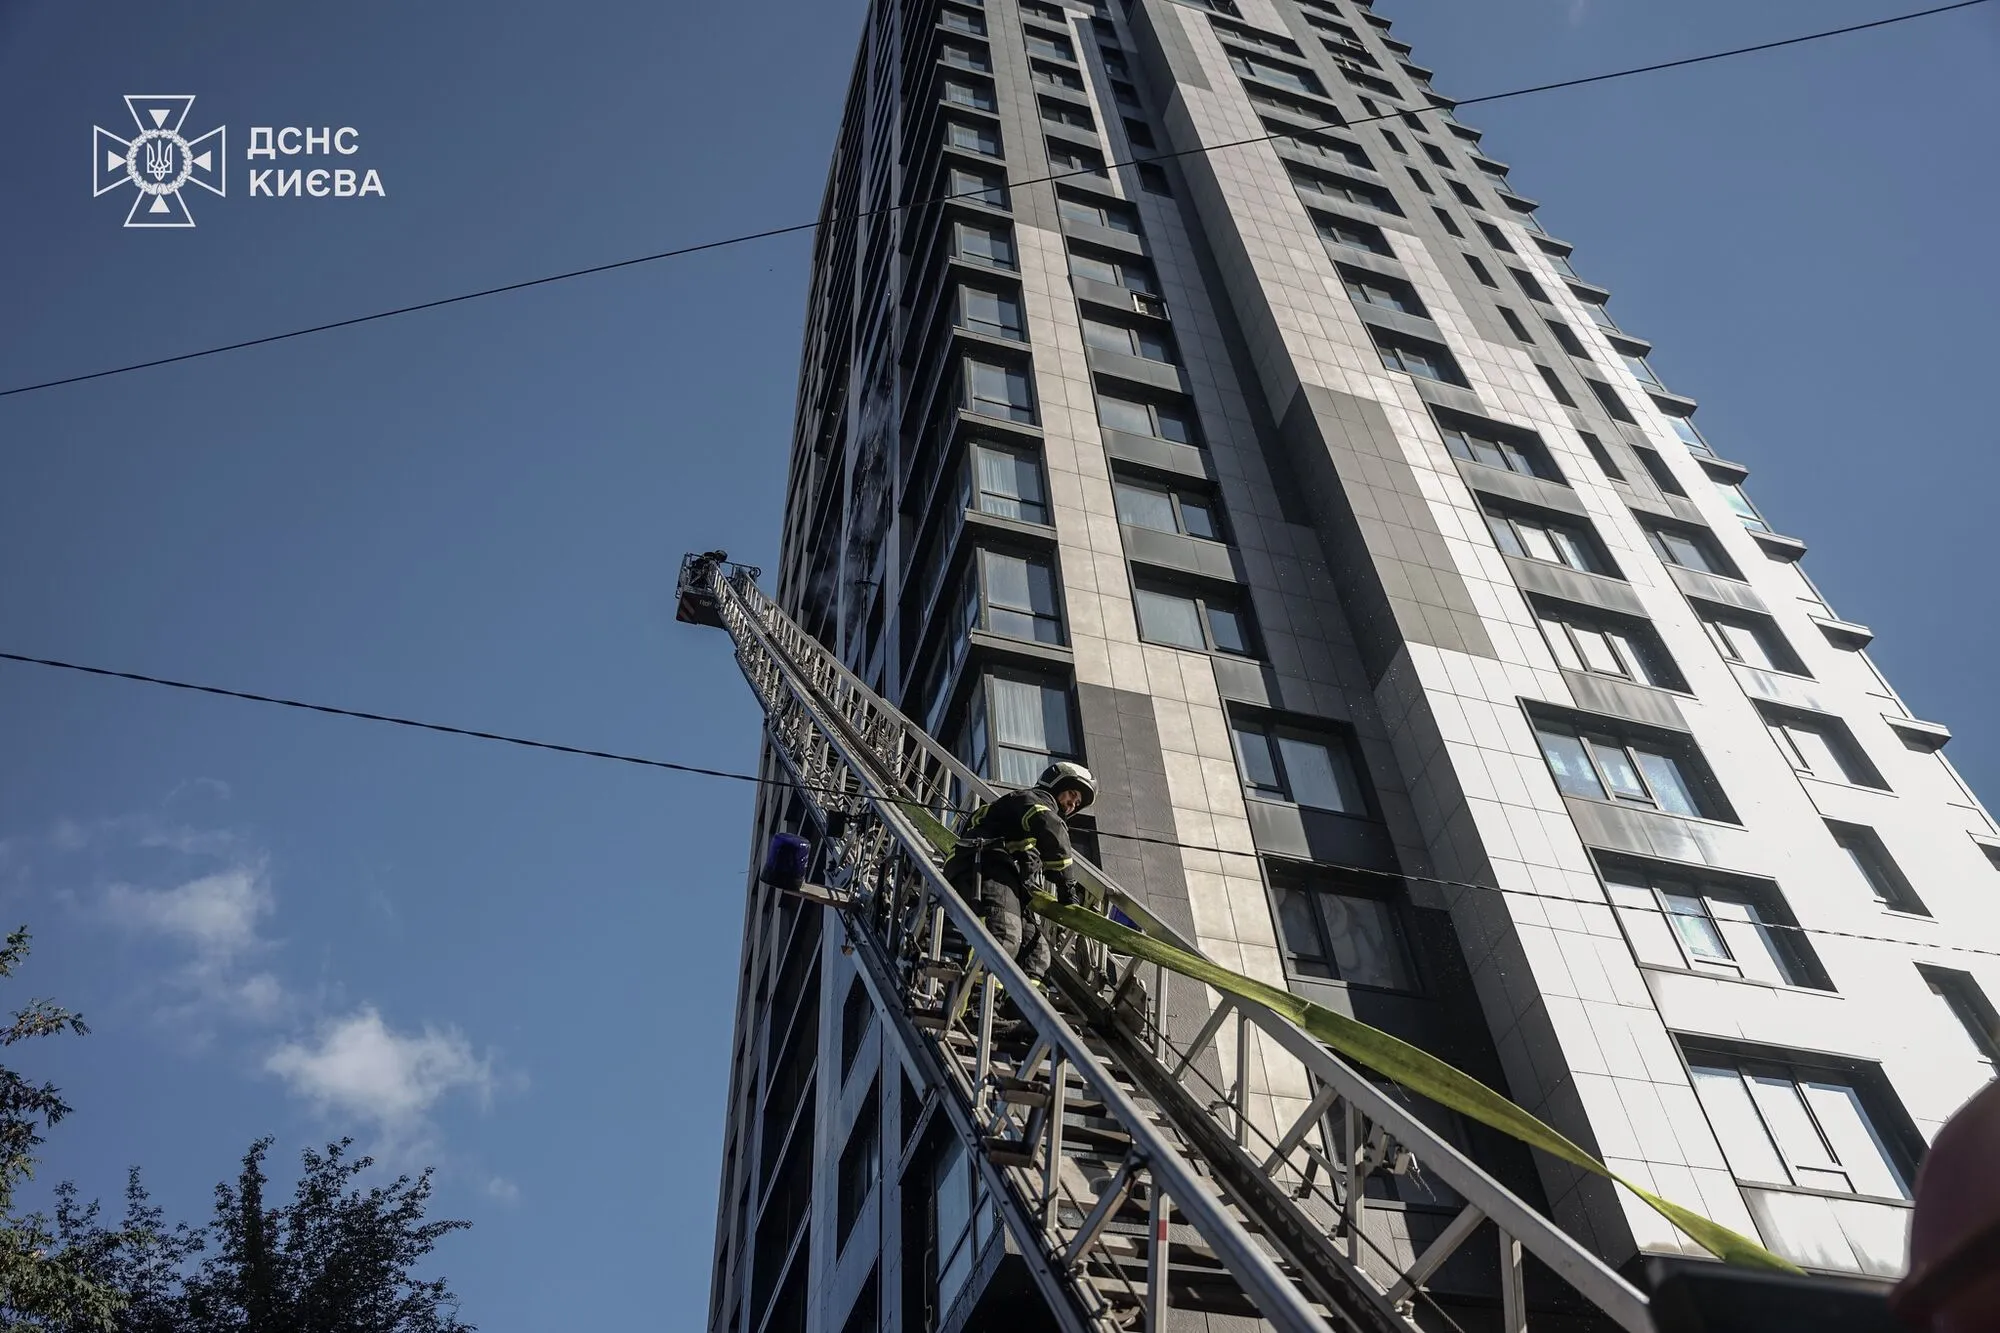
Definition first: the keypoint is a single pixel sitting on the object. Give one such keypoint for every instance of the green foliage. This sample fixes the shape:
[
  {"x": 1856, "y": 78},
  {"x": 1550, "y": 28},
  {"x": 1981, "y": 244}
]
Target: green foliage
[{"x": 336, "y": 1258}]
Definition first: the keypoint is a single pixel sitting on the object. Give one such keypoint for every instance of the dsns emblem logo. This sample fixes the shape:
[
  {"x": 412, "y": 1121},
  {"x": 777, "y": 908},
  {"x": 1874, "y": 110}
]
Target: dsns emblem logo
[{"x": 158, "y": 161}]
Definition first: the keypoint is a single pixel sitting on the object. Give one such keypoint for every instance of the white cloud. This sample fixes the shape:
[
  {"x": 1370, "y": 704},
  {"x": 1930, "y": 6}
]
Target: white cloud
[
  {"x": 217, "y": 914},
  {"x": 357, "y": 1066},
  {"x": 503, "y": 1190}
]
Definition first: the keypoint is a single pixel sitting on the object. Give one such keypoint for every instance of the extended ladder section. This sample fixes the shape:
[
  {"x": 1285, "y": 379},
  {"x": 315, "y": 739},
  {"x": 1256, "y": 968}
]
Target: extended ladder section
[{"x": 1123, "y": 1160}]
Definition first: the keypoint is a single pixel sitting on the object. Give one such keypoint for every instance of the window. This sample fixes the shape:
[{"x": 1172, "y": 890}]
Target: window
[
  {"x": 1872, "y": 863},
  {"x": 1374, "y": 289},
  {"x": 1603, "y": 765},
  {"x": 1465, "y": 196},
  {"x": 1048, "y": 44},
  {"x": 1533, "y": 535},
  {"x": 984, "y": 311},
  {"x": 998, "y": 391},
  {"x": 961, "y": 1221},
  {"x": 1043, "y": 72},
  {"x": 1637, "y": 365},
  {"x": 1484, "y": 444},
  {"x": 1413, "y": 356},
  {"x": 1495, "y": 237},
  {"x": 1334, "y": 931},
  {"x": 985, "y": 187},
  {"x": 1395, "y": 142},
  {"x": 1514, "y": 324},
  {"x": 857, "y": 1014},
  {"x": 978, "y": 96},
  {"x": 1527, "y": 283},
  {"x": 1608, "y": 399},
  {"x": 1114, "y": 216},
  {"x": 1751, "y": 639},
  {"x": 1583, "y": 640},
  {"x": 1028, "y": 726},
  {"x": 1320, "y": 145},
  {"x": 1437, "y": 155},
  {"x": 1601, "y": 456},
  {"x": 1263, "y": 41},
  {"x": 1685, "y": 432},
  {"x": 1480, "y": 271},
  {"x": 1007, "y": 483},
  {"x": 1700, "y": 927},
  {"x": 1784, "y": 1124},
  {"x": 1418, "y": 178},
  {"x": 965, "y": 53},
  {"x": 1656, "y": 468},
  {"x": 984, "y": 243},
  {"x": 1019, "y": 597},
  {"x": 1114, "y": 63},
  {"x": 1159, "y": 420},
  {"x": 1138, "y": 133},
  {"x": 1067, "y": 160},
  {"x": 1125, "y": 95},
  {"x": 1360, "y": 235},
  {"x": 860, "y": 1164},
  {"x": 1340, "y": 187},
  {"x": 1450, "y": 226},
  {"x": 1131, "y": 274},
  {"x": 1598, "y": 314},
  {"x": 1820, "y": 747},
  {"x": 1286, "y": 763},
  {"x": 1153, "y": 179},
  {"x": 1047, "y": 13},
  {"x": 1555, "y": 385},
  {"x": 1066, "y": 113},
  {"x": 1270, "y": 71},
  {"x": 1739, "y": 504},
  {"x": 1972, "y": 1017},
  {"x": 1690, "y": 549},
  {"x": 1566, "y": 339},
  {"x": 1163, "y": 508},
  {"x": 1200, "y": 621},
  {"x": 962, "y": 20}
]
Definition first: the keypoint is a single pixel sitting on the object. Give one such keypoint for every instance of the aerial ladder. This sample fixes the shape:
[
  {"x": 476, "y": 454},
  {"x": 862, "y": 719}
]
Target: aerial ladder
[{"x": 1122, "y": 1160}]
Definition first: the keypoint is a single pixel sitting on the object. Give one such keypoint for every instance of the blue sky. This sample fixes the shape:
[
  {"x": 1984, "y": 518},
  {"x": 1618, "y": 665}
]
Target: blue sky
[{"x": 518, "y": 966}]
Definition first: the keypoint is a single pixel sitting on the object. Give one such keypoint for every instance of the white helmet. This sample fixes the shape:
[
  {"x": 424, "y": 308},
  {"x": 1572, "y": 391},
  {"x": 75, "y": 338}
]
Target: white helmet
[{"x": 1065, "y": 774}]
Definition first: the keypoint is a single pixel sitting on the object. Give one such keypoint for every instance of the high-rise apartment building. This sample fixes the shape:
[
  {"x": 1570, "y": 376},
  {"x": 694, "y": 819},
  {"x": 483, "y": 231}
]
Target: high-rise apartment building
[{"x": 1299, "y": 483}]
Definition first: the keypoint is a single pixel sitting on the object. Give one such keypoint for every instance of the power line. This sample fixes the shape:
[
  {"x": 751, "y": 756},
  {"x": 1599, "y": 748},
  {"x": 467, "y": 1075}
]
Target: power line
[
  {"x": 790, "y": 228},
  {"x": 697, "y": 770}
]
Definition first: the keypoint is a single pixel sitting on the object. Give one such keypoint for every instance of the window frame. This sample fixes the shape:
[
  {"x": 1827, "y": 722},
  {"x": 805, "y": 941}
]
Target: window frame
[
  {"x": 1206, "y": 602},
  {"x": 1593, "y": 743},
  {"x": 975, "y": 493},
  {"x": 1343, "y": 762},
  {"x": 1753, "y": 932},
  {"x": 1634, "y": 646},
  {"x": 1156, "y": 412},
  {"x": 991, "y": 183},
  {"x": 1714, "y": 562},
  {"x": 1856, "y": 769},
  {"x": 1006, "y": 301},
  {"x": 1138, "y": 335},
  {"x": 1522, "y": 456},
  {"x": 1314, "y": 886},
  {"x": 1123, "y": 268},
  {"x": 992, "y": 227},
  {"x": 979, "y": 578},
  {"x": 1877, "y": 869},
  {"x": 1403, "y": 297},
  {"x": 1403, "y": 354},
  {"x": 1104, "y": 210},
  {"x": 1025, "y": 413},
  {"x": 982, "y": 751},
  {"x": 1578, "y": 535},
  {"x": 848, "y": 1207},
  {"x": 1762, "y": 631},
  {"x": 1177, "y": 500},
  {"x": 1862, "y": 1093},
  {"x": 1960, "y": 993}
]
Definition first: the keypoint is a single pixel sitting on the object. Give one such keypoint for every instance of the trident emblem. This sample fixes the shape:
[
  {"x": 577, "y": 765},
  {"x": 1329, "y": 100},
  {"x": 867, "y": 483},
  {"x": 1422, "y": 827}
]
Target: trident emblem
[
  {"x": 159, "y": 158},
  {"x": 158, "y": 161}
]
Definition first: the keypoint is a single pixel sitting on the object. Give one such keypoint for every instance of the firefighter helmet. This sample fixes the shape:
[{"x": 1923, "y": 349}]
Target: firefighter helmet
[{"x": 1065, "y": 774}]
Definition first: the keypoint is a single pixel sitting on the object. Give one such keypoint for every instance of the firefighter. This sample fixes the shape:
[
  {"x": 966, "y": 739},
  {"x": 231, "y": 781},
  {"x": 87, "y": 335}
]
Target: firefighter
[{"x": 1016, "y": 847}]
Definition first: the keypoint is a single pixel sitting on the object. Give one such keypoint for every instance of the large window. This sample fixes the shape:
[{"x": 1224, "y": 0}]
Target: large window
[
  {"x": 1163, "y": 508},
  {"x": 1114, "y": 216},
  {"x": 1007, "y": 483},
  {"x": 1522, "y": 454},
  {"x": 1320, "y": 145},
  {"x": 962, "y": 20},
  {"x": 1161, "y": 420},
  {"x": 1043, "y": 72},
  {"x": 976, "y": 135},
  {"x": 1970, "y": 1014},
  {"x": 1584, "y": 640},
  {"x": 996, "y": 390},
  {"x": 1341, "y": 187},
  {"x": 1026, "y": 724},
  {"x": 962, "y": 1221},
  {"x": 1690, "y": 549},
  {"x": 966, "y": 53},
  {"x": 1048, "y": 44},
  {"x": 1131, "y": 274},
  {"x": 1751, "y": 639},
  {"x": 1287, "y": 763},
  {"x": 1602, "y": 765},
  {"x": 1334, "y": 931},
  {"x": 1537, "y": 536},
  {"x": 984, "y": 243},
  {"x": 1066, "y": 113},
  {"x": 978, "y": 96},
  {"x": 1018, "y": 594},
  {"x": 1344, "y": 231},
  {"x": 1785, "y": 1124},
  {"x": 1700, "y": 927},
  {"x": 1182, "y": 618},
  {"x": 1128, "y": 340},
  {"x": 980, "y": 186},
  {"x": 1414, "y": 356},
  {"x": 857, "y": 1014},
  {"x": 1271, "y": 71},
  {"x": 1820, "y": 747},
  {"x": 1739, "y": 504},
  {"x": 1874, "y": 867},
  {"x": 986, "y": 311},
  {"x": 1389, "y": 293},
  {"x": 860, "y": 1166},
  {"x": 1069, "y": 160}
]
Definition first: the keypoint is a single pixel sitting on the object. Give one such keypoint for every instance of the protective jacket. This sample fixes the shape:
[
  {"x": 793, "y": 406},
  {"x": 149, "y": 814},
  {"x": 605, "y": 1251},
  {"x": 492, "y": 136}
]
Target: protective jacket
[{"x": 1026, "y": 821}]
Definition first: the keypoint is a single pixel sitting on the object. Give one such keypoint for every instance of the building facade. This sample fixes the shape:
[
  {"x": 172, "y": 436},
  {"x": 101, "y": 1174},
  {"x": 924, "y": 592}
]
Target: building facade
[{"x": 1434, "y": 663}]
